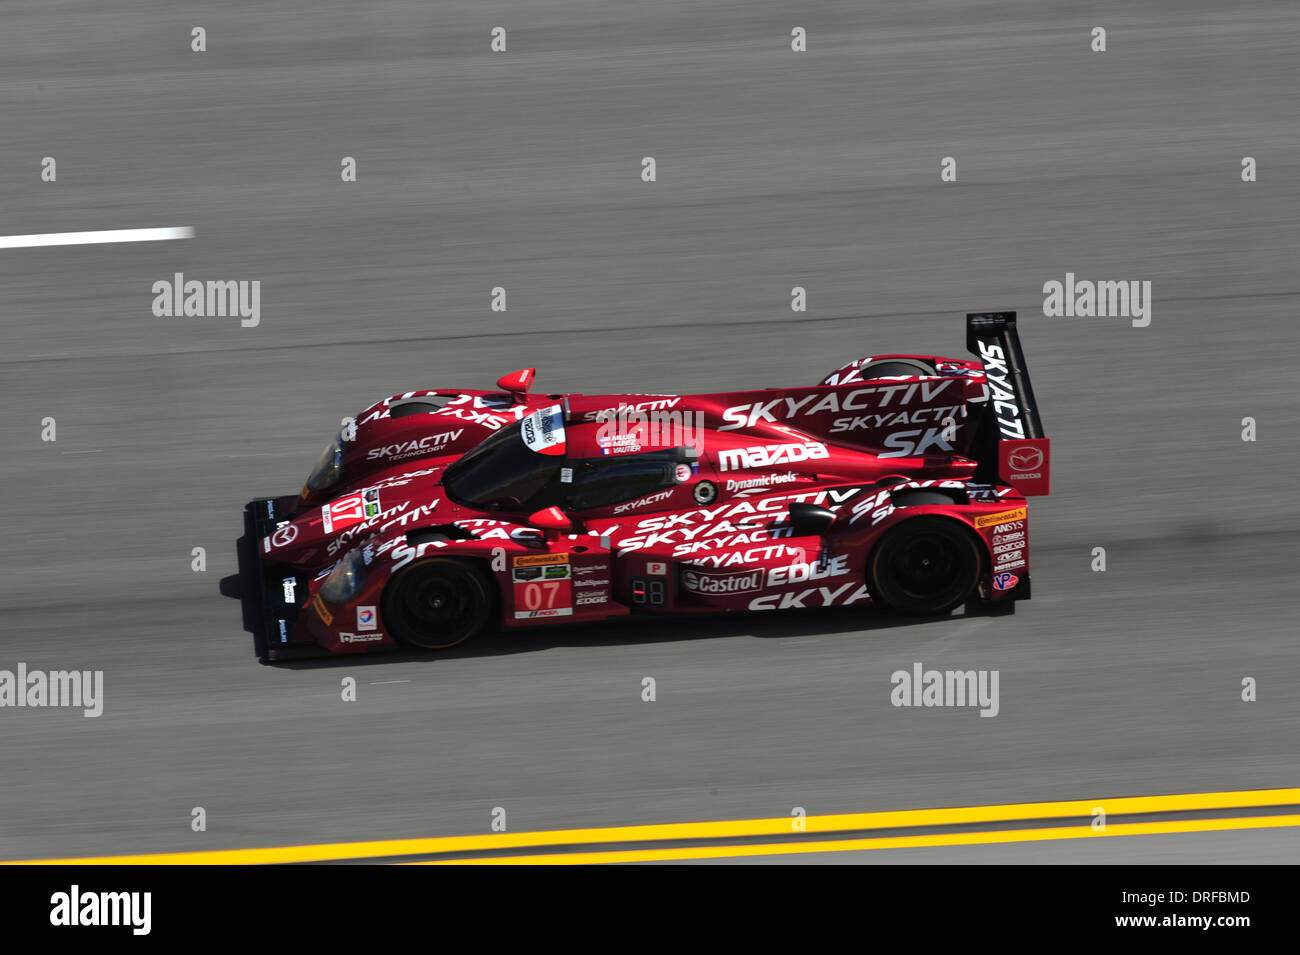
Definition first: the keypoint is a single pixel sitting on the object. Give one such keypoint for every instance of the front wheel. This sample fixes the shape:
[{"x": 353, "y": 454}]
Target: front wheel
[
  {"x": 924, "y": 567},
  {"x": 437, "y": 603}
]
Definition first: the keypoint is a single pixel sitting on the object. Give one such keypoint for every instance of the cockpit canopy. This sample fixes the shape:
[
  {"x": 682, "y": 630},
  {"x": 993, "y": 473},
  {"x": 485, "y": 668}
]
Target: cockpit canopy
[{"x": 524, "y": 468}]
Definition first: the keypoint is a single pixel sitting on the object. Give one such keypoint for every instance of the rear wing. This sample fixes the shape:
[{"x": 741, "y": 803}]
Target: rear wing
[{"x": 1007, "y": 437}]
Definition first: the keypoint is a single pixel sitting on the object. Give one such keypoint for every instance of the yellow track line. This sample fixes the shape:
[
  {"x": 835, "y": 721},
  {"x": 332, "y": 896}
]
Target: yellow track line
[
  {"x": 1123, "y": 805},
  {"x": 896, "y": 842}
]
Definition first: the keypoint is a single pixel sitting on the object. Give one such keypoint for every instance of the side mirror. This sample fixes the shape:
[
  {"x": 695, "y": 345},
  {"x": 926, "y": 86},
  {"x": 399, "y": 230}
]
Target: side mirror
[
  {"x": 517, "y": 383},
  {"x": 551, "y": 521},
  {"x": 809, "y": 519}
]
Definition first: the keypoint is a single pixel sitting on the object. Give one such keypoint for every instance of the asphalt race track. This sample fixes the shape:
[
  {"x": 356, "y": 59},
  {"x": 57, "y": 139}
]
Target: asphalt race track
[{"x": 522, "y": 170}]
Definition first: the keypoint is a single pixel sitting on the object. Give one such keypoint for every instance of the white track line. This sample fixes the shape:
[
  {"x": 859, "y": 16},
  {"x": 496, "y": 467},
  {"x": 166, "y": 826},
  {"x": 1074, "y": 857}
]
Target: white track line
[{"x": 94, "y": 238}]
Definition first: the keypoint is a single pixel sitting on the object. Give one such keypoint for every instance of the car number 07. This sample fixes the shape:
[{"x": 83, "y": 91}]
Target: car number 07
[{"x": 541, "y": 594}]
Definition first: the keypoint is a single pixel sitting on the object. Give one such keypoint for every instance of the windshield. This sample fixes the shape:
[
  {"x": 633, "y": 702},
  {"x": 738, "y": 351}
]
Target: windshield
[
  {"x": 502, "y": 473},
  {"x": 602, "y": 482},
  {"x": 329, "y": 468}
]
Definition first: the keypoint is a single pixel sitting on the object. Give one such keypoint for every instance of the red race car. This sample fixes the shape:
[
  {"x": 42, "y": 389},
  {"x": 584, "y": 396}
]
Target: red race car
[{"x": 899, "y": 480}]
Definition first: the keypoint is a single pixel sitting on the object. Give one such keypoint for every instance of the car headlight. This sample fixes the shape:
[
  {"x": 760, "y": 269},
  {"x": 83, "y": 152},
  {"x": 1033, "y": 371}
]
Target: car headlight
[
  {"x": 345, "y": 580},
  {"x": 329, "y": 469}
]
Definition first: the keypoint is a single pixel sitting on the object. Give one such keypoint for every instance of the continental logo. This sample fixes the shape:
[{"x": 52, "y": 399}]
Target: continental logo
[
  {"x": 988, "y": 520},
  {"x": 538, "y": 559}
]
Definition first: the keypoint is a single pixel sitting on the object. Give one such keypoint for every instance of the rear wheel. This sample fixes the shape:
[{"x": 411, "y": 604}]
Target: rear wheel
[
  {"x": 437, "y": 603},
  {"x": 924, "y": 567}
]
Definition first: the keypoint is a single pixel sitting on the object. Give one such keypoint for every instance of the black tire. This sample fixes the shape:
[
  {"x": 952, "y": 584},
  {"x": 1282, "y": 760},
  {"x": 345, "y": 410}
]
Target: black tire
[
  {"x": 437, "y": 603},
  {"x": 924, "y": 567}
]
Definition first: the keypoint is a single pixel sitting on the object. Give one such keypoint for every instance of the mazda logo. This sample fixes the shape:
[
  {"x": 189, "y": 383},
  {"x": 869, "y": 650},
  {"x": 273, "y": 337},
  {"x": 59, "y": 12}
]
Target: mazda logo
[{"x": 1027, "y": 458}]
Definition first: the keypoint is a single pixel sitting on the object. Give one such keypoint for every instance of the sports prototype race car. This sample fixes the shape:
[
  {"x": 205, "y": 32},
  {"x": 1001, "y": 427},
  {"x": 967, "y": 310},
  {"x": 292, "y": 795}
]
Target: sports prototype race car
[{"x": 899, "y": 480}]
